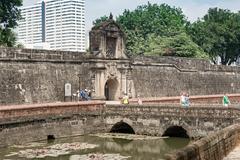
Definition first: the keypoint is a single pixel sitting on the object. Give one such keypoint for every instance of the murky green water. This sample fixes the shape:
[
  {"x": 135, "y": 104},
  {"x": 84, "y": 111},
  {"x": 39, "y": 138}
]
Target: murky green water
[{"x": 96, "y": 147}]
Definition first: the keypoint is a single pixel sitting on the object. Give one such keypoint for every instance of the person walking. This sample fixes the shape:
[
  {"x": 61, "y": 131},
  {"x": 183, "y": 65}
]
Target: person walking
[
  {"x": 183, "y": 99},
  {"x": 226, "y": 101},
  {"x": 139, "y": 100},
  {"x": 187, "y": 100},
  {"x": 125, "y": 99}
]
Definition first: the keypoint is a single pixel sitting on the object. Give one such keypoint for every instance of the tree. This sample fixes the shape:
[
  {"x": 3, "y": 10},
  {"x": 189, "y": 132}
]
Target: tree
[
  {"x": 100, "y": 20},
  {"x": 218, "y": 34},
  {"x": 9, "y": 14},
  {"x": 156, "y": 30},
  {"x": 180, "y": 45},
  {"x": 150, "y": 19}
]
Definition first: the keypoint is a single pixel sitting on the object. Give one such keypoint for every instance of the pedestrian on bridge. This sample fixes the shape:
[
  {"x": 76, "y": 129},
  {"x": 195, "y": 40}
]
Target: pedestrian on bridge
[
  {"x": 226, "y": 101},
  {"x": 184, "y": 100},
  {"x": 125, "y": 99},
  {"x": 139, "y": 100}
]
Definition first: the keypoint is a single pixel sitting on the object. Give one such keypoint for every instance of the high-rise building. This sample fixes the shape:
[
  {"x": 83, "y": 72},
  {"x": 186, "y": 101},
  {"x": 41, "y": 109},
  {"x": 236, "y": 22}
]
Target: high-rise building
[{"x": 53, "y": 24}]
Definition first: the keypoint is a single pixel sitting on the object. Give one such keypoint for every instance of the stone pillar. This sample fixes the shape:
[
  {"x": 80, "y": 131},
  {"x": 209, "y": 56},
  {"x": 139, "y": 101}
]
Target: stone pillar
[
  {"x": 103, "y": 45},
  {"x": 99, "y": 85}
]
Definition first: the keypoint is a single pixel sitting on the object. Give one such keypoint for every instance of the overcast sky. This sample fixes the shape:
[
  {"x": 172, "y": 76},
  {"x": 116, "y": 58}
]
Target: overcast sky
[{"x": 191, "y": 8}]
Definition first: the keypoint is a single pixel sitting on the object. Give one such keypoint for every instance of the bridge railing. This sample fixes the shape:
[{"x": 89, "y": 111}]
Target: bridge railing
[
  {"x": 195, "y": 99},
  {"x": 37, "y": 111},
  {"x": 175, "y": 110}
]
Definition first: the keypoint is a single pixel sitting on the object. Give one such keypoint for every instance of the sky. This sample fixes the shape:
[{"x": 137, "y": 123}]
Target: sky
[{"x": 191, "y": 8}]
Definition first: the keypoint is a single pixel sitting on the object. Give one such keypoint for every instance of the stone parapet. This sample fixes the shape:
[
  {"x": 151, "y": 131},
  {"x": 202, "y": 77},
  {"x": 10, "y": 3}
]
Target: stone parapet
[
  {"x": 213, "y": 147},
  {"x": 184, "y": 63},
  {"x": 37, "y": 111},
  {"x": 14, "y": 54}
]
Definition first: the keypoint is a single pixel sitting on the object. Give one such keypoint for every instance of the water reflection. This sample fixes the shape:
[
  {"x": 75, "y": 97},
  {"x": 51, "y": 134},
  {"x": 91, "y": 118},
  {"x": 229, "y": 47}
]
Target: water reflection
[{"x": 137, "y": 148}]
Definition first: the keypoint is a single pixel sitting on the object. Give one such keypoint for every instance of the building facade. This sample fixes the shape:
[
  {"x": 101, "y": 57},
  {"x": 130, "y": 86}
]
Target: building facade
[{"x": 58, "y": 23}]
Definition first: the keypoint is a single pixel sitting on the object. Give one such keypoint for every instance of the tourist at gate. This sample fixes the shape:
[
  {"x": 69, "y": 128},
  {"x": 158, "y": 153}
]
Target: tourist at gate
[{"x": 84, "y": 95}]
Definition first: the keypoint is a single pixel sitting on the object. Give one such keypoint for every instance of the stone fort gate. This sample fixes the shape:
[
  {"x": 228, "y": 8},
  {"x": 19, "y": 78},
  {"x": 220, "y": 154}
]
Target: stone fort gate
[
  {"x": 39, "y": 76},
  {"x": 111, "y": 74}
]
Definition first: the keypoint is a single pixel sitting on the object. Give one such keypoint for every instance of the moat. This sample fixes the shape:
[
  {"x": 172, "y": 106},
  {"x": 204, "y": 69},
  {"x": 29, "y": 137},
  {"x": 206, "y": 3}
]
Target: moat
[{"x": 96, "y": 147}]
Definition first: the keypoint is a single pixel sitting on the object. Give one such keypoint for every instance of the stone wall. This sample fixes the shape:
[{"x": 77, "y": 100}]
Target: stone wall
[
  {"x": 169, "y": 76},
  {"x": 38, "y": 76},
  {"x": 213, "y": 147},
  {"x": 22, "y": 124}
]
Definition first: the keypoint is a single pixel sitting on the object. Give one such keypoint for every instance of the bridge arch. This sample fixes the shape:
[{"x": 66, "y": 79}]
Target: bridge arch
[
  {"x": 176, "y": 131},
  {"x": 122, "y": 127}
]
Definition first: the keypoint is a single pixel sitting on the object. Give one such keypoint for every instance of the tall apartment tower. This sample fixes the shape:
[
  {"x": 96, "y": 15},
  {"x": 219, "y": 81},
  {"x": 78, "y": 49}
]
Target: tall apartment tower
[{"x": 53, "y": 24}]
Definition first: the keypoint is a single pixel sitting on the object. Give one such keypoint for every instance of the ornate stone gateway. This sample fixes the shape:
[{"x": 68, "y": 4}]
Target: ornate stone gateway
[{"x": 112, "y": 70}]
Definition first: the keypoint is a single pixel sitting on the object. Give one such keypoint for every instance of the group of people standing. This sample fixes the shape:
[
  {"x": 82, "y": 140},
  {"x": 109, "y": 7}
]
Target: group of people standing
[
  {"x": 83, "y": 95},
  {"x": 185, "y": 100},
  {"x": 125, "y": 99}
]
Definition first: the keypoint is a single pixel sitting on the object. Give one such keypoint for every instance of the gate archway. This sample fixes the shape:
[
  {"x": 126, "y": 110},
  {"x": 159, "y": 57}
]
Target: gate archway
[{"x": 111, "y": 89}]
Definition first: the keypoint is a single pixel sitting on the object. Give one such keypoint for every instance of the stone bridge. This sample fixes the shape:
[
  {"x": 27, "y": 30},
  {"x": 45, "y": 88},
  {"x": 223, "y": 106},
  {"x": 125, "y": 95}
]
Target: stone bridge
[
  {"x": 27, "y": 123},
  {"x": 169, "y": 120}
]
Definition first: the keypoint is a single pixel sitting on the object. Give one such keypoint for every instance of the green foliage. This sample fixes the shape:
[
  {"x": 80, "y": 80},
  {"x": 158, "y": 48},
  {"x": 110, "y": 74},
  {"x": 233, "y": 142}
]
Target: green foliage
[
  {"x": 163, "y": 30},
  {"x": 180, "y": 45},
  {"x": 146, "y": 20},
  {"x": 9, "y": 14},
  {"x": 7, "y": 37},
  {"x": 218, "y": 33},
  {"x": 156, "y": 29},
  {"x": 100, "y": 20}
]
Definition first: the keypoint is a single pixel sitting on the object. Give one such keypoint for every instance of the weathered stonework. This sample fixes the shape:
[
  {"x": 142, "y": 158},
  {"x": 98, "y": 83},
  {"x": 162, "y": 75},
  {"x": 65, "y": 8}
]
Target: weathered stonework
[
  {"x": 169, "y": 76},
  {"x": 113, "y": 73},
  {"x": 213, "y": 147},
  {"x": 39, "y": 76},
  {"x": 21, "y": 124},
  {"x": 154, "y": 120}
]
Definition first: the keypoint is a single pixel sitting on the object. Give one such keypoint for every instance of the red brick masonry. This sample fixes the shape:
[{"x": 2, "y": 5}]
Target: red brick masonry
[{"x": 57, "y": 108}]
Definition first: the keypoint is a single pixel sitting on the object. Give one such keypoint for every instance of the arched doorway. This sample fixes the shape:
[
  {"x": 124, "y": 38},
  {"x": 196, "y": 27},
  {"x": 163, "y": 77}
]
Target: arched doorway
[
  {"x": 176, "y": 131},
  {"x": 111, "y": 89},
  {"x": 122, "y": 127}
]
